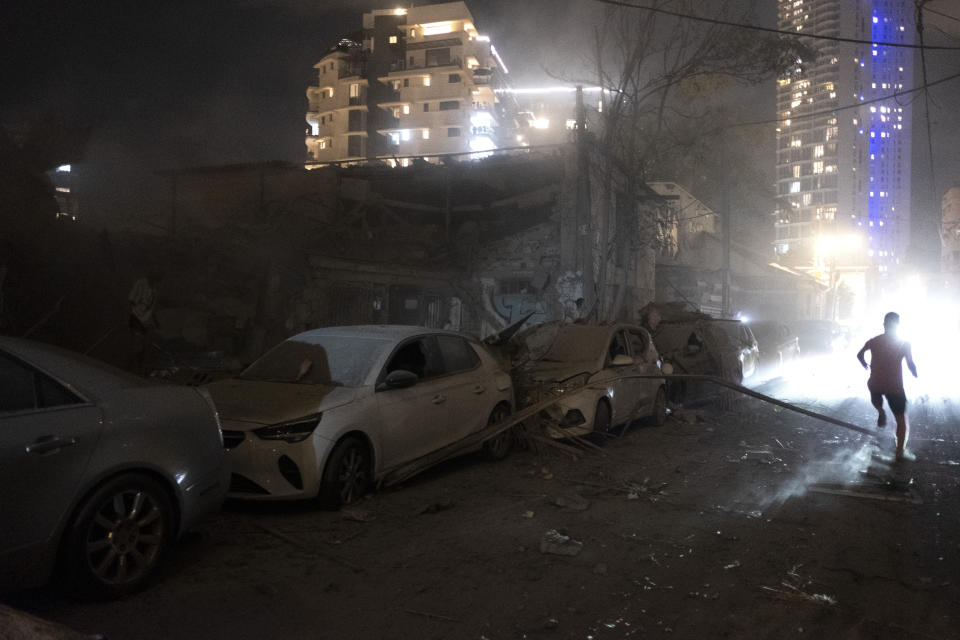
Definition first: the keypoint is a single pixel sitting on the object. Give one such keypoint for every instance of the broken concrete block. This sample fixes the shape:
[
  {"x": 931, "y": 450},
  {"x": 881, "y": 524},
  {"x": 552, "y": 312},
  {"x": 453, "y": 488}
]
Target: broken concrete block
[
  {"x": 570, "y": 503},
  {"x": 556, "y": 543}
]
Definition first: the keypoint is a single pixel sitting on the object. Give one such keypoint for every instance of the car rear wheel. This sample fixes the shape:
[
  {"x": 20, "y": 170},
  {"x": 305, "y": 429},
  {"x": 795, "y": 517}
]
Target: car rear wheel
[
  {"x": 602, "y": 418},
  {"x": 347, "y": 474},
  {"x": 119, "y": 536},
  {"x": 499, "y": 446}
]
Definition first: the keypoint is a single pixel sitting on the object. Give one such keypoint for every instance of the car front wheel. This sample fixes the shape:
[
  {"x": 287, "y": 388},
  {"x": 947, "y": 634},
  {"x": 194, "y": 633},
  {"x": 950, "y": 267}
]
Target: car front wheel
[
  {"x": 347, "y": 474},
  {"x": 602, "y": 418},
  {"x": 500, "y": 445},
  {"x": 659, "y": 415},
  {"x": 119, "y": 536}
]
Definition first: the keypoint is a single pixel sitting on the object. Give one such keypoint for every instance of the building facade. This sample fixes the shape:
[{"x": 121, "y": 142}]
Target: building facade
[
  {"x": 843, "y": 174},
  {"x": 414, "y": 83},
  {"x": 950, "y": 234}
]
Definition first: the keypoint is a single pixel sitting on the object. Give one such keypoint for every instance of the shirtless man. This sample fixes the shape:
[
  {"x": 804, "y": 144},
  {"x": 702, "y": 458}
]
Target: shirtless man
[{"x": 887, "y": 353}]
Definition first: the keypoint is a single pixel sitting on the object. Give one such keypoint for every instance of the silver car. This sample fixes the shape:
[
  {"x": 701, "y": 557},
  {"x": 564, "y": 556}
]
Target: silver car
[
  {"x": 329, "y": 411},
  {"x": 595, "y": 372},
  {"x": 100, "y": 470}
]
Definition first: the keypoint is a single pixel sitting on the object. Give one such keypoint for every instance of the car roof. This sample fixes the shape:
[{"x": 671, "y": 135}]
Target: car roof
[
  {"x": 393, "y": 332},
  {"x": 72, "y": 368}
]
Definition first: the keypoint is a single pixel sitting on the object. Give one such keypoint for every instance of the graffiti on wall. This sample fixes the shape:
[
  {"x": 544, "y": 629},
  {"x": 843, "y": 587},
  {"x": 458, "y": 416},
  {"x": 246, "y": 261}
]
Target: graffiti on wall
[{"x": 512, "y": 307}]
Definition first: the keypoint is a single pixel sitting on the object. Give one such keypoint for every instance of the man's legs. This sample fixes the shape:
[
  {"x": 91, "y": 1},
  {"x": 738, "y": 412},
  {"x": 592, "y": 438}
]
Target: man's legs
[
  {"x": 898, "y": 405},
  {"x": 877, "y": 400},
  {"x": 902, "y": 432}
]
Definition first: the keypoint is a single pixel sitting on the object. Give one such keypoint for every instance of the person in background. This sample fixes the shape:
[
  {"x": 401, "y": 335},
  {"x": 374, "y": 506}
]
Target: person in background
[
  {"x": 887, "y": 353},
  {"x": 141, "y": 319}
]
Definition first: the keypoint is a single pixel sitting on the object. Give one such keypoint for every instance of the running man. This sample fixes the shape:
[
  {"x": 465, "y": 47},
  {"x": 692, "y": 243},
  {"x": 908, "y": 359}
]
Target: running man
[{"x": 887, "y": 353}]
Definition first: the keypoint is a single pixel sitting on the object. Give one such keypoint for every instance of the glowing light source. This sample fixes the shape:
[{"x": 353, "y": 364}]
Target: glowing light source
[
  {"x": 437, "y": 28},
  {"x": 64, "y": 168}
]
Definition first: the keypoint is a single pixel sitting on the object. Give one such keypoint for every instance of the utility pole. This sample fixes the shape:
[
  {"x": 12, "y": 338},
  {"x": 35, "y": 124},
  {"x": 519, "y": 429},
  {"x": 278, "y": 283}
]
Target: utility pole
[
  {"x": 726, "y": 311},
  {"x": 584, "y": 227}
]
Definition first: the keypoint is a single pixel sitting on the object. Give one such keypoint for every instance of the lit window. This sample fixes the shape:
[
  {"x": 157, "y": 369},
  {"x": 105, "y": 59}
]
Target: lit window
[
  {"x": 437, "y": 28},
  {"x": 355, "y": 90},
  {"x": 406, "y": 109},
  {"x": 818, "y": 166},
  {"x": 393, "y": 39},
  {"x": 426, "y": 81},
  {"x": 818, "y": 151},
  {"x": 794, "y": 187},
  {"x": 426, "y": 134}
]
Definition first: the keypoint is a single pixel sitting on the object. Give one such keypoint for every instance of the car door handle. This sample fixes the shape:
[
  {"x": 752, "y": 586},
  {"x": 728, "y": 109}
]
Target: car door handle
[
  {"x": 49, "y": 444},
  {"x": 479, "y": 389},
  {"x": 439, "y": 399}
]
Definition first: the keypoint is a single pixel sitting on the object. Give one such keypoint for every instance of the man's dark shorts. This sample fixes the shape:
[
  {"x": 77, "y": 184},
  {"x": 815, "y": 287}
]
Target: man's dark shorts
[{"x": 897, "y": 401}]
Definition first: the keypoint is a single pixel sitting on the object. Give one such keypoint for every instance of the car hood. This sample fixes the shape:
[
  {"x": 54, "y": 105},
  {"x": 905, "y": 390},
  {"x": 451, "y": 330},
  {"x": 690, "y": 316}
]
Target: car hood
[
  {"x": 259, "y": 402},
  {"x": 547, "y": 371}
]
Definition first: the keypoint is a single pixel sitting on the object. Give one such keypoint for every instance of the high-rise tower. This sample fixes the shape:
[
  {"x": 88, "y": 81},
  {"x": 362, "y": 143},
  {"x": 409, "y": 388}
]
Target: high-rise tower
[{"x": 843, "y": 174}]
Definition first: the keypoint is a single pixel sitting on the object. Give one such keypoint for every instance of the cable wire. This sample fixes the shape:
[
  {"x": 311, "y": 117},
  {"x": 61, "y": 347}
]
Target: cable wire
[
  {"x": 825, "y": 112},
  {"x": 941, "y": 13},
  {"x": 753, "y": 27}
]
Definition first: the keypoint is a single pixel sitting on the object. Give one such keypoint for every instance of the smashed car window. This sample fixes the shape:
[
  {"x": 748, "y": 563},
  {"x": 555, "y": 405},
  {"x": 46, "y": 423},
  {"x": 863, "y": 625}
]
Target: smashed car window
[
  {"x": 318, "y": 359},
  {"x": 457, "y": 353},
  {"x": 420, "y": 356},
  {"x": 618, "y": 346},
  {"x": 638, "y": 344}
]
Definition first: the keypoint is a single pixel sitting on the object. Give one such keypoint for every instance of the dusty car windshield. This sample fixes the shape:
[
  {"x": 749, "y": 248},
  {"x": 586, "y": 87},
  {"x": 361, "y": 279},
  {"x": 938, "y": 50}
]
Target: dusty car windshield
[
  {"x": 321, "y": 359},
  {"x": 568, "y": 343}
]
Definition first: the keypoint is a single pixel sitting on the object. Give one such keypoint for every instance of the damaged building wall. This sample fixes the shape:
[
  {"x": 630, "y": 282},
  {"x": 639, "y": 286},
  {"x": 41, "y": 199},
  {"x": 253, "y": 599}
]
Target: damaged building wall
[
  {"x": 694, "y": 275},
  {"x": 252, "y": 254}
]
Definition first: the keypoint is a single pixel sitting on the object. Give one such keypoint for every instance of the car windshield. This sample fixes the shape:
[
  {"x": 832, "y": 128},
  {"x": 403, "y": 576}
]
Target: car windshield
[
  {"x": 319, "y": 359},
  {"x": 568, "y": 343}
]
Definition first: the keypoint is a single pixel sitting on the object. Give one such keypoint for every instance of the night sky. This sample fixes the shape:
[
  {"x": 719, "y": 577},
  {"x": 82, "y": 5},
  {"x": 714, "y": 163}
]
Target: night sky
[{"x": 202, "y": 82}]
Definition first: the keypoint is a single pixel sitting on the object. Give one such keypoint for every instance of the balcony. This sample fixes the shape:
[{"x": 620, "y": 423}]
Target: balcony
[
  {"x": 482, "y": 75},
  {"x": 351, "y": 70},
  {"x": 402, "y": 65}
]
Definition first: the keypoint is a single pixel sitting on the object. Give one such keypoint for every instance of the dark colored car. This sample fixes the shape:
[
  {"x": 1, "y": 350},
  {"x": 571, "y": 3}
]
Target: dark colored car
[{"x": 777, "y": 343}]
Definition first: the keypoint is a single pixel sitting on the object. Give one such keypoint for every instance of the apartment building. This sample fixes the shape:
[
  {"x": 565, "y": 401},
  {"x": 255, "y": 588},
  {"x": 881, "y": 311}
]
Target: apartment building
[
  {"x": 415, "y": 83},
  {"x": 843, "y": 174}
]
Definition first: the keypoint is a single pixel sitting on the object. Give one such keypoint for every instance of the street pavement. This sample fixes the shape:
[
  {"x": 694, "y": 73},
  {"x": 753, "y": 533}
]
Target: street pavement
[{"x": 743, "y": 522}]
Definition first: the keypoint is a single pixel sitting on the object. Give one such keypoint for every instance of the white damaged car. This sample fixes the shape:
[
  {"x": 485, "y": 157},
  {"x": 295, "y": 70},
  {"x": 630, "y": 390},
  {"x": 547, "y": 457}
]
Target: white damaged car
[
  {"x": 330, "y": 411},
  {"x": 593, "y": 370}
]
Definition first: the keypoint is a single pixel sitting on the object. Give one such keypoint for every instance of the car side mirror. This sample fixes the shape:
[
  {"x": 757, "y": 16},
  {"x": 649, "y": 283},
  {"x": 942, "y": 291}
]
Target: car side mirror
[
  {"x": 398, "y": 379},
  {"x": 621, "y": 360}
]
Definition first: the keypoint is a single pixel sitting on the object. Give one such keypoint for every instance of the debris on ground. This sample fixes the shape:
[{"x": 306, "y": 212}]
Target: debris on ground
[
  {"x": 357, "y": 515},
  {"x": 571, "y": 502},
  {"x": 437, "y": 507},
  {"x": 797, "y": 588},
  {"x": 732, "y": 565},
  {"x": 556, "y": 543}
]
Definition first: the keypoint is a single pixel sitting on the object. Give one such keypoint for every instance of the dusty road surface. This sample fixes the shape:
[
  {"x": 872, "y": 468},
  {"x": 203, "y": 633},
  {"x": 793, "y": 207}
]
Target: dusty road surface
[{"x": 745, "y": 523}]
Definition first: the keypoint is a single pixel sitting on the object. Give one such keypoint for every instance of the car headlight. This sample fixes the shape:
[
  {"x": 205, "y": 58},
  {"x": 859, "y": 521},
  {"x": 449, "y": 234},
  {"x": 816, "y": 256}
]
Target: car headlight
[{"x": 294, "y": 431}]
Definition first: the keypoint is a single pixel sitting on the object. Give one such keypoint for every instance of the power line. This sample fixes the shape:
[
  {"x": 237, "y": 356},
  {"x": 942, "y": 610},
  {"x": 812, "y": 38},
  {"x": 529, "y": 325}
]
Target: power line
[
  {"x": 941, "y": 13},
  {"x": 857, "y": 105},
  {"x": 753, "y": 27}
]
